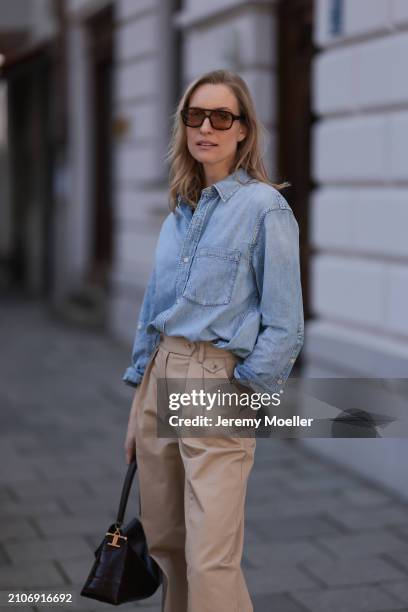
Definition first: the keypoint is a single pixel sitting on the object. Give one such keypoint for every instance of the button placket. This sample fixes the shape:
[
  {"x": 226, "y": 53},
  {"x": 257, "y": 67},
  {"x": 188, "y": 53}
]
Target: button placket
[{"x": 191, "y": 241}]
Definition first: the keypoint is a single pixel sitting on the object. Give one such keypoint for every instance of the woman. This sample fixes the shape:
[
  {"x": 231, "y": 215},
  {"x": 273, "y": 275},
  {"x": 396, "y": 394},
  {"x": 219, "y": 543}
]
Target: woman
[{"x": 224, "y": 300}]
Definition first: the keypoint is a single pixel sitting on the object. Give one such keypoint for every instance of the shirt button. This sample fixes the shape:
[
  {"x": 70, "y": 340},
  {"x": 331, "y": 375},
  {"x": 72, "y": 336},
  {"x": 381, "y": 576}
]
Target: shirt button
[
  {"x": 185, "y": 258},
  {"x": 279, "y": 381},
  {"x": 139, "y": 325},
  {"x": 292, "y": 360}
]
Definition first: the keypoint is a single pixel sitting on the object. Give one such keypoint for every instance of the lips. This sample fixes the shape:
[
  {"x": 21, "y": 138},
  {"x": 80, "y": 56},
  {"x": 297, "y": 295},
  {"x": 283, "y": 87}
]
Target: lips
[{"x": 205, "y": 144}]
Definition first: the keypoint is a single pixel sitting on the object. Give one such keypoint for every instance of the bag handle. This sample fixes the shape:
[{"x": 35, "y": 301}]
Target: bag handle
[{"x": 132, "y": 467}]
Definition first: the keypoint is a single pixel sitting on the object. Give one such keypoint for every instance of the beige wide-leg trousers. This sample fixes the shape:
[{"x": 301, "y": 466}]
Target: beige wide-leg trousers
[{"x": 192, "y": 489}]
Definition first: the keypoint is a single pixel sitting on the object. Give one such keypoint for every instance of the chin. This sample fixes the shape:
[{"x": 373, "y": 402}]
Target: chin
[{"x": 206, "y": 159}]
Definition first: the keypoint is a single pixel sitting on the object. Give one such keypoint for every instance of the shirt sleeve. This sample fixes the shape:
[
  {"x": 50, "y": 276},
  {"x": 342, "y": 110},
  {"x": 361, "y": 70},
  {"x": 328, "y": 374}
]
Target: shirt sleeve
[
  {"x": 144, "y": 342},
  {"x": 276, "y": 264}
]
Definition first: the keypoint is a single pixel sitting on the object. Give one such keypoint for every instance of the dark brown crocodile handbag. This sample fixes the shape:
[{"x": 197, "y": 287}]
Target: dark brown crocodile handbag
[{"x": 123, "y": 569}]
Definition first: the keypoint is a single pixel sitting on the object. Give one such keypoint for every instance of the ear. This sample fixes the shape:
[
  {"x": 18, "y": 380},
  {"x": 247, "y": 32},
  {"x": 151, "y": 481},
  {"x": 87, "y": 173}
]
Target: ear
[{"x": 243, "y": 130}]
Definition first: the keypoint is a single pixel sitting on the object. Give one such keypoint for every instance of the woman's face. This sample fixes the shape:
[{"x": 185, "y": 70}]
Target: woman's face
[{"x": 217, "y": 159}]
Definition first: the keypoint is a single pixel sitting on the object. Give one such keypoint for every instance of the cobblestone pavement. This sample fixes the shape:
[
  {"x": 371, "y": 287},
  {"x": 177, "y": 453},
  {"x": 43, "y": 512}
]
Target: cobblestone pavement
[{"x": 318, "y": 538}]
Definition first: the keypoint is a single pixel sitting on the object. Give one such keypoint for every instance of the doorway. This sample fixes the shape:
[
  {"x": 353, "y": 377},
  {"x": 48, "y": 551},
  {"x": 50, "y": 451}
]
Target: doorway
[
  {"x": 295, "y": 117},
  {"x": 100, "y": 40},
  {"x": 29, "y": 152}
]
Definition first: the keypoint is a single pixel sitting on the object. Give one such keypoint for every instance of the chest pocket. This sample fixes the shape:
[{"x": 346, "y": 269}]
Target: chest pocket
[{"x": 212, "y": 276}]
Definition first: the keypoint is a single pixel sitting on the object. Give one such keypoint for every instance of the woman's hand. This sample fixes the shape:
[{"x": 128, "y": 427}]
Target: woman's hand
[{"x": 130, "y": 440}]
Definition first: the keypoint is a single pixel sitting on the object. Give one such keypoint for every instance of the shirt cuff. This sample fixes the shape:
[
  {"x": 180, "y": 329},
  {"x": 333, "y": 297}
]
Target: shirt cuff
[{"x": 132, "y": 377}]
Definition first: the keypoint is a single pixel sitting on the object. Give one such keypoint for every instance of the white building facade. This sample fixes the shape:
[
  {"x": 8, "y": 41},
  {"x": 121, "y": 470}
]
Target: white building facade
[{"x": 359, "y": 271}]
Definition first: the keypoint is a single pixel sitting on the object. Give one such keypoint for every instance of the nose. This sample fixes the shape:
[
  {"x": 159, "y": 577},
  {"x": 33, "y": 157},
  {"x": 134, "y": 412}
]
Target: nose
[{"x": 206, "y": 124}]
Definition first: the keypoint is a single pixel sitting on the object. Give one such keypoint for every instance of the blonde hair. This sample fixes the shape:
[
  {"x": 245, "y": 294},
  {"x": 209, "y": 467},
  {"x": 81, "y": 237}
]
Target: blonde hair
[{"x": 186, "y": 177}]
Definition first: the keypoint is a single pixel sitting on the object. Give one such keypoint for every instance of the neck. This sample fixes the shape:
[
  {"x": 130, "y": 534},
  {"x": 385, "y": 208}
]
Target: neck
[{"x": 214, "y": 175}]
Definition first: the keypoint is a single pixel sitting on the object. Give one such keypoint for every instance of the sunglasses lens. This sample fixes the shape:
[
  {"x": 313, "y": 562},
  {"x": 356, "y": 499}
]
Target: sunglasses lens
[
  {"x": 193, "y": 117},
  {"x": 221, "y": 120}
]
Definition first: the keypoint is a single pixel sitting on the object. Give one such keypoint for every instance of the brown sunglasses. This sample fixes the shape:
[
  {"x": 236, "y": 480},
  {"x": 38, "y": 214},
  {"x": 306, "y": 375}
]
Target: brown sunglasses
[{"x": 219, "y": 119}]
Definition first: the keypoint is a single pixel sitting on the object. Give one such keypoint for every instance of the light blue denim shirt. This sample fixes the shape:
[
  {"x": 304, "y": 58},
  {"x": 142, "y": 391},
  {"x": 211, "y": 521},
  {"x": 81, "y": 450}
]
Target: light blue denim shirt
[{"x": 229, "y": 273}]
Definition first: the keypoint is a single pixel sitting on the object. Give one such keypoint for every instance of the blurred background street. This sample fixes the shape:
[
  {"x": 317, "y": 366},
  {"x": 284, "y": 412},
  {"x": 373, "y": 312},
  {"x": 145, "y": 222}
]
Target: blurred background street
[{"x": 87, "y": 93}]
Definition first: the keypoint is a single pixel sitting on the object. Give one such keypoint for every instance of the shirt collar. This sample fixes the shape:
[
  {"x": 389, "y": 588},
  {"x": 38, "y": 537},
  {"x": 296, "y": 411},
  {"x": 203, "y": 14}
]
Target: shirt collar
[
  {"x": 227, "y": 186},
  {"x": 230, "y": 184}
]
